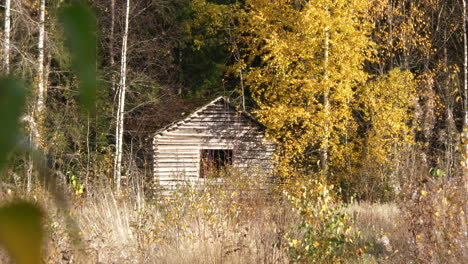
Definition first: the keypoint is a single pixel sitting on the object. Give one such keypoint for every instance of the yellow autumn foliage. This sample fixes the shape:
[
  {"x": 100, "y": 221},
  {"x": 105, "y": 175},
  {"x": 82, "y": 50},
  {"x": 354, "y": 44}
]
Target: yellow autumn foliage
[
  {"x": 386, "y": 105},
  {"x": 304, "y": 62},
  {"x": 388, "y": 102}
]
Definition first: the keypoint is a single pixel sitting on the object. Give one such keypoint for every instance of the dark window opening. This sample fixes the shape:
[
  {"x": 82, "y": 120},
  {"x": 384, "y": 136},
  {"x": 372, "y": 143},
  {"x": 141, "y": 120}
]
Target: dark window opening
[{"x": 213, "y": 161}]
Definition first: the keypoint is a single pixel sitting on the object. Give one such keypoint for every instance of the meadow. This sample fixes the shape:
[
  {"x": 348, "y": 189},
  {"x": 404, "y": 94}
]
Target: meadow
[{"x": 244, "y": 220}]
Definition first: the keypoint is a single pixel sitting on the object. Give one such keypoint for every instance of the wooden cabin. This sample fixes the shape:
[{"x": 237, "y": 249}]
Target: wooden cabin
[{"x": 210, "y": 139}]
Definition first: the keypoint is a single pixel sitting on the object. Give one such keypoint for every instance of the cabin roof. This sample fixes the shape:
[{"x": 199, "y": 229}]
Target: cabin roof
[
  {"x": 187, "y": 117},
  {"x": 144, "y": 119}
]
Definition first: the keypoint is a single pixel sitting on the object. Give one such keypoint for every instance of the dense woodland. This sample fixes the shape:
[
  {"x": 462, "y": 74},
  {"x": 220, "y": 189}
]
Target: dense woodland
[
  {"x": 337, "y": 83},
  {"x": 368, "y": 97}
]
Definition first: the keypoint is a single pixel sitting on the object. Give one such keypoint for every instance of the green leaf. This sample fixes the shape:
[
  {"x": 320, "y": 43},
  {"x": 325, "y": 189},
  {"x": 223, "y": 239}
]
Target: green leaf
[
  {"x": 79, "y": 24},
  {"x": 21, "y": 232},
  {"x": 436, "y": 172},
  {"x": 11, "y": 103}
]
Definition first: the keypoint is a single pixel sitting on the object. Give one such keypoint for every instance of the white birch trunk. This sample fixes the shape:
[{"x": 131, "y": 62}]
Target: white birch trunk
[
  {"x": 40, "y": 61},
  {"x": 121, "y": 105},
  {"x": 35, "y": 118},
  {"x": 111, "y": 45},
  {"x": 465, "y": 90},
  {"x": 29, "y": 119},
  {"x": 326, "y": 106},
  {"x": 29, "y": 173},
  {"x": 242, "y": 89},
  {"x": 6, "y": 38}
]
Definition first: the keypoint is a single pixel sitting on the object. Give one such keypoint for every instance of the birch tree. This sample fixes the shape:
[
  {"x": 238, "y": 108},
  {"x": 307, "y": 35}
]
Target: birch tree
[
  {"x": 40, "y": 61},
  {"x": 111, "y": 44},
  {"x": 326, "y": 101},
  {"x": 6, "y": 37},
  {"x": 121, "y": 104},
  {"x": 35, "y": 119},
  {"x": 305, "y": 60},
  {"x": 37, "y": 116},
  {"x": 465, "y": 91}
]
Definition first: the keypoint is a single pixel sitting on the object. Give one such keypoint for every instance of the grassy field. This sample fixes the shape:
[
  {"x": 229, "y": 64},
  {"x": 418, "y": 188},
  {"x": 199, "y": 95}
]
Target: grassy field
[{"x": 238, "y": 223}]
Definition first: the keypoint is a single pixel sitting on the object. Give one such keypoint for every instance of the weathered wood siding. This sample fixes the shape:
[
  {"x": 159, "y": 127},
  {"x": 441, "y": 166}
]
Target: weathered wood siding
[{"x": 216, "y": 126}]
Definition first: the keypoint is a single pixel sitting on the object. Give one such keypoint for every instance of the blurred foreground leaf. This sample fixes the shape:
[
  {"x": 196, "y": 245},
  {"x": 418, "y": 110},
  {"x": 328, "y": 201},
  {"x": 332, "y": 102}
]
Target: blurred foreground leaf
[
  {"x": 20, "y": 222},
  {"x": 21, "y": 233},
  {"x": 11, "y": 103},
  {"x": 79, "y": 24}
]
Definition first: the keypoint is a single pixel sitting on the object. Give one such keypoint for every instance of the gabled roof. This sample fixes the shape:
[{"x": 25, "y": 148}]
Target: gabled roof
[{"x": 200, "y": 109}]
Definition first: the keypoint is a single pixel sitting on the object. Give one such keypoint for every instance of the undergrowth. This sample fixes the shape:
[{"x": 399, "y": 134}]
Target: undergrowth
[{"x": 239, "y": 220}]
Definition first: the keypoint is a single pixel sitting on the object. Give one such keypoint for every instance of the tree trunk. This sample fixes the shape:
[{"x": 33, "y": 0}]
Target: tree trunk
[
  {"x": 326, "y": 105},
  {"x": 29, "y": 173},
  {"x": 6, "y": 37},
  {"x": 88, "y": 151},
  {"x": 242, "y": 89},
  {"x": 465, "y": 91},
  {"x": 111, "y": 45},
  {"x": 121, "y": 106},
  {"x": 35, "y": 119},
  {"x": 40, "y": 61}
]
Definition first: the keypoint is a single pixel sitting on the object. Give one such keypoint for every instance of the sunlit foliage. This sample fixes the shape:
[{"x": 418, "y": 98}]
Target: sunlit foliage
[{"x": 298, "y": 56}]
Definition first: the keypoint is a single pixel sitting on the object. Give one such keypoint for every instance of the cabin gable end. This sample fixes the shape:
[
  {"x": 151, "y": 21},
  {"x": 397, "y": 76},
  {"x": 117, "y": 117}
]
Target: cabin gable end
[{"x": 215, "y": 136}]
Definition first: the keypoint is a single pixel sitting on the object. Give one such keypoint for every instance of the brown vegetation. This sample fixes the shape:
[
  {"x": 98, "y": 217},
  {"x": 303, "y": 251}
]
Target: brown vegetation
[{"x": 239, "y": 222}]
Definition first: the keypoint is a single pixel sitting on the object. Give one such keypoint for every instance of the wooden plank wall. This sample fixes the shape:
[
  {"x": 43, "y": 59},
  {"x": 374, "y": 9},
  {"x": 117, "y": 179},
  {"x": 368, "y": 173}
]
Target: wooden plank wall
[{"x": 216, "y": 126}]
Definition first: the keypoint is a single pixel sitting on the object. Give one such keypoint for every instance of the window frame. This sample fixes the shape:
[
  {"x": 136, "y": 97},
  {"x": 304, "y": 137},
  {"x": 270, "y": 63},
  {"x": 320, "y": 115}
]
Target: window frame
[{"x": 220, "y": 165}]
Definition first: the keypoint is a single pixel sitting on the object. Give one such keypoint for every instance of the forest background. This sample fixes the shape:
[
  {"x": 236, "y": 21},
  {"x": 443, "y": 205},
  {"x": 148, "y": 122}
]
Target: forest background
[{"x": 365, "y": 97}]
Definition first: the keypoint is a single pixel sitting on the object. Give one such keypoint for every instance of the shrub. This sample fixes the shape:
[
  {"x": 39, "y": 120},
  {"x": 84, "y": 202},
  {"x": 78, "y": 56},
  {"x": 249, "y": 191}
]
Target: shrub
[
  {"x": 324, "y": 233},
  {"x": 434, "y": 208}
]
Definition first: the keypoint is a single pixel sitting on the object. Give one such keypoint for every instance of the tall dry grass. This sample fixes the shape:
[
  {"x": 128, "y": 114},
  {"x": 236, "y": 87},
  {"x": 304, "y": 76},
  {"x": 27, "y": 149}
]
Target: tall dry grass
[
  {"x": 233, "y": 222},
  {"x": 428, "y": 224},
  {"x": 240, "y": 221}
]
